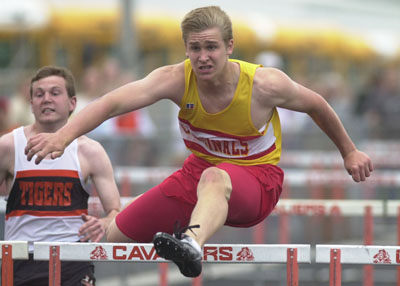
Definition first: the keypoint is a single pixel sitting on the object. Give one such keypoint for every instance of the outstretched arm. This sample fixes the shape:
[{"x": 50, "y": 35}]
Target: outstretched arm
[
  {"x": 280, "y": 90},
  {"x": 357, "y": 163},
  {"x": 6, "y": 158},
  {"x": 163, "y": 83}
]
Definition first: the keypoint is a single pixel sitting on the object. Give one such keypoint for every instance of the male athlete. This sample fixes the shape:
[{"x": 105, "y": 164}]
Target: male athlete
[
  {"x": 49, "y": 201},
  {"x": 229, "y": 121}
]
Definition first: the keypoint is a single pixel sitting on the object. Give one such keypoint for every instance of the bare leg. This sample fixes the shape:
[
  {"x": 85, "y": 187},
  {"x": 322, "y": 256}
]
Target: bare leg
[
  {"x": 213, "y": 193},
  {"x": 115, "y": 235}
]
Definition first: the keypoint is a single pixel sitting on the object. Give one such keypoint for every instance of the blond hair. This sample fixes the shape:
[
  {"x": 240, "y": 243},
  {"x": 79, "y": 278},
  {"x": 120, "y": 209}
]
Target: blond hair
[{"x": 204, "y": 18}]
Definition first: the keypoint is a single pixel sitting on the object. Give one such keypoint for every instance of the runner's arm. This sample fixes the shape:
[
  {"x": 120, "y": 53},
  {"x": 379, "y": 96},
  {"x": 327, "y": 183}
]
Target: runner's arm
[
  {"x": 6, "y": 156},
  {"x": 281, "y": 91},
  {"x": 160, "y": 84},
  {"x": 96, "y": 161}
]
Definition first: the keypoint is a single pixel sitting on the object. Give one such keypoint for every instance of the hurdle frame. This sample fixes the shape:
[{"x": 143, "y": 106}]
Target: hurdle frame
[
  {"x": 289, "y": 254},
  {"x": 337, "y": 255},
  {"x": 11, "y": 250}
]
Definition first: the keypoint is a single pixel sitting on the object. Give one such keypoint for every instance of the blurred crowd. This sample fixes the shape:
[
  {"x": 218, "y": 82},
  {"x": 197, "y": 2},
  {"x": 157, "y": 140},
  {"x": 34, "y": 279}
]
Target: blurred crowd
[
  {"x": 149, "y": 137},
  {"x": 368, "y": 105}
]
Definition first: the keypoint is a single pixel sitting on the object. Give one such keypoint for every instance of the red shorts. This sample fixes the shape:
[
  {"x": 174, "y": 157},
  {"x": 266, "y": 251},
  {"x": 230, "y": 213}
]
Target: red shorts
[{"x": 255, "y": 192}]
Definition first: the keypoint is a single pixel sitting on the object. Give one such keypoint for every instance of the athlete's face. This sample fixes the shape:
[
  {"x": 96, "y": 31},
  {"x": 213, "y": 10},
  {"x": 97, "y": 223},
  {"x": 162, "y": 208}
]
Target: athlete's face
[
  {"x": 208, "y": 53},
  {"x": 50, "y": 102}
]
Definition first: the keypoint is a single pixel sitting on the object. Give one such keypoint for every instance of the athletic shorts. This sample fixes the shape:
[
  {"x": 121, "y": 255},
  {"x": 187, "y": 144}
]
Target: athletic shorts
[
  {"x": 36, "y": 273},
  {"x": 255, "y": 192}
]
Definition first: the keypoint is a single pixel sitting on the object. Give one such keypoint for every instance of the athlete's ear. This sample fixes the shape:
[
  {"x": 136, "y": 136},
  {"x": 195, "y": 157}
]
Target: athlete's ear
[
  {"x": 72, "y": 104},
  {"x": 229, "y": 48}
]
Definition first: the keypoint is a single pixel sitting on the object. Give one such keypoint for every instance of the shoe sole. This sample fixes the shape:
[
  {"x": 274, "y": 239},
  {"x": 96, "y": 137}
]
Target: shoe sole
[{"x": 168, "y": 248}]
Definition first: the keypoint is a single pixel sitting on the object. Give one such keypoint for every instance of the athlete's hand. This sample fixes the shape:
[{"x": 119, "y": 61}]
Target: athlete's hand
[
  {"x": 92, "y": 229},
  {"x": 358, "y": 165},
  {"x": 43, "y": 144}
]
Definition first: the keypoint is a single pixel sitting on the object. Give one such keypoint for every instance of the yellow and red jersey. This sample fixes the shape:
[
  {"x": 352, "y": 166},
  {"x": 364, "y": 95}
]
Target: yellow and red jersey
[{"x": 229, "y": 135}]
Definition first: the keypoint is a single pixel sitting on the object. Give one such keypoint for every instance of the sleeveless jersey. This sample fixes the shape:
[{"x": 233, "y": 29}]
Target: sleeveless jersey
[
  {"x": 229, "y": 135},
  {"x": 46, "y": 200}
]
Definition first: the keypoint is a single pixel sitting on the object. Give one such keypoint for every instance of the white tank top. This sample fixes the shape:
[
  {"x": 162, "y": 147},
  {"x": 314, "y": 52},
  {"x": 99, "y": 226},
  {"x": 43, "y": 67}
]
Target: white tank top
[{"x": 46, "y": 201}]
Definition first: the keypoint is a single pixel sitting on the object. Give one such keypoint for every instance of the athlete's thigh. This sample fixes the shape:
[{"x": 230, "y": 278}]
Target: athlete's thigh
[
  {"x": 150, "y": 213},
  {"x": 245, "y": 199}
]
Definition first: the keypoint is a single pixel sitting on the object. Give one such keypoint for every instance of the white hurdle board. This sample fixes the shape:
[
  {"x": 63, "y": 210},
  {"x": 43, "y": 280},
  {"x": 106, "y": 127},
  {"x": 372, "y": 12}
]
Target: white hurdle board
[
  {"x": 295, "y": 177},
  {"x": 345, "y": 208},
  {"x": 360, "y": 254},
  {"x": 19, "y": 249},
  {"x": 303, "y": 207},
  {"x": 145, "y": 252}
]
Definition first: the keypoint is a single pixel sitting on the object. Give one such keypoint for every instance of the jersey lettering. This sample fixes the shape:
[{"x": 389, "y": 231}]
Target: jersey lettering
[{"x": 45, "y": 193}]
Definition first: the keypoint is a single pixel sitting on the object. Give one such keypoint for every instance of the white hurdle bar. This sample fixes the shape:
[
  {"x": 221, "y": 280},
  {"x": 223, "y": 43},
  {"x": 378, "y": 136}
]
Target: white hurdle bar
[
  {"x": 294, "y": 177},
  {"x": 290, "y": 254},
  {"x": 306, "y": 207},
  {"x": 336, "y": 255},
  {"x": 11, "y": 250}
]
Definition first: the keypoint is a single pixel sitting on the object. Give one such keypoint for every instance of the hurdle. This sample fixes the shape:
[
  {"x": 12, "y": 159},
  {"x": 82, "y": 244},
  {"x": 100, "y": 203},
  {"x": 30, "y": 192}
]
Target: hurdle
[
  {"x": 294, "y": 177},
  {"x": 289, "y": 254},
  {"x": 11, "y": 250},
  {"x": 337, "y": 255}
]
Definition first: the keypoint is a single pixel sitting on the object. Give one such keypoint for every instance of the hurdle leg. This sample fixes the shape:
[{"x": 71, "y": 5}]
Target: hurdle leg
[
  {"x": 292, "y": 268},
  {"x": 335, "y": 268},
  {"x": 163, "y": 270},
  {"x": 398, "y": 243},
  {"x": 197, "y": 281},
  {"x": 7, "y": 266},
  {"x": 259, "y": 233},
  {"x": 54, "y": 266},
  {"x": 284, "y": 228},
  {"x": 368, "y": 240}
]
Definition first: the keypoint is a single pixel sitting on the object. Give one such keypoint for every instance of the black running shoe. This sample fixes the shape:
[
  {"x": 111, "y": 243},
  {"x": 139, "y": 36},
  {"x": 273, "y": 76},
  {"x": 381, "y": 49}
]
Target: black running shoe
[{"x": 181, "y": 252}]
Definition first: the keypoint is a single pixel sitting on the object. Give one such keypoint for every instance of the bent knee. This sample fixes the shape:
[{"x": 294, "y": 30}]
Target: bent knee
[{"x": 216, "y": 179}]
